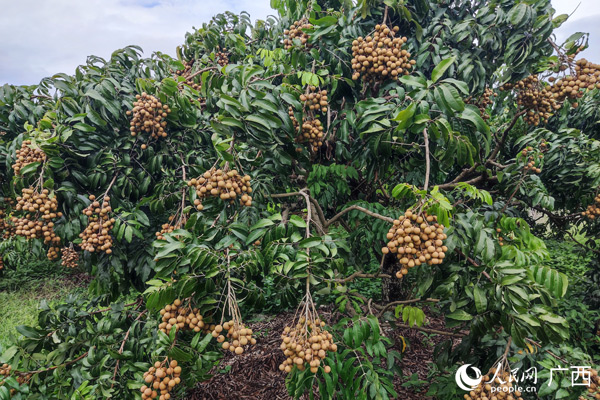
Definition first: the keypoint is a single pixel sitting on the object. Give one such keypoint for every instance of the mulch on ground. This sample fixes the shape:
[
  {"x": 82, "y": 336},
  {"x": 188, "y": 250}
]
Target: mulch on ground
[{"x": 256, "y": 375}]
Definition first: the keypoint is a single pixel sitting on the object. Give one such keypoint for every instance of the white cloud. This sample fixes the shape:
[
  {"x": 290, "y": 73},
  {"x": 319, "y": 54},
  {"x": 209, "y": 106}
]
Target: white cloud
[{"x": 43, "y": 37}]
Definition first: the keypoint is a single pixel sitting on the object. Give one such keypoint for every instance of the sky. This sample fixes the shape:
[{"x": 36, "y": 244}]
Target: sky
[{"x": 40, "y": 38}]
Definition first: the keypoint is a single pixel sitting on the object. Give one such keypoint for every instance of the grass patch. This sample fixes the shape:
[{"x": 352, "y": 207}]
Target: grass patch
[{"x": 21, "y": 306}]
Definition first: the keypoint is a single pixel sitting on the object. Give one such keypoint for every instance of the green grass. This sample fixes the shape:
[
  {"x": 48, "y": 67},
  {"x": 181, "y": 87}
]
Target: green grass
[{"x": 21, "y": 306}]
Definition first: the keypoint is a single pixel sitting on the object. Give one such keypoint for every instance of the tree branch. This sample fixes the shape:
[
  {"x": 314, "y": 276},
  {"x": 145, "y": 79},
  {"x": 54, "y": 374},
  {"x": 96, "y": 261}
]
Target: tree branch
[
  {"x": 427, "y": 161},
  {"x": 53, "y": 368},
  {"x": 491, "y": 158},
  {"x": 504, "y": 136},
  {"x": 123, "y": 345},
  {"x": 582, "y": 244},
  {"x": 361, "y": 209},
  {"x": 338, "y": 215},
  {"x": 452, "y": 185},
  {"x": 201, "y": 71},
  {"x": 474, "y": 263},
  {"x": 427, "y": 330},
  {"x": 556, "y": 216},
  {"x": 360, "y": 274}
]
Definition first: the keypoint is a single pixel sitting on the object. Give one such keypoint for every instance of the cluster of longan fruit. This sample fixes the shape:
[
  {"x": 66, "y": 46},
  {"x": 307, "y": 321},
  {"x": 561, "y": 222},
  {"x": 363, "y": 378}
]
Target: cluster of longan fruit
[
  {"x": 500, "y": 238},
  {"x": 536, "y": 98},
  {"x": 69, "y": 257},
  {"x": 32, "y": 201},
  {"x": 571, "y": 87},
  {"x": 416, "y": 239},
  {"x": 315, "y": 99},
  {"x": 189, "y": 81},
  {"x": 593, "y": 210},
  {"x": 225, "y": 184},
  {"x": 27, "y": 155},
  {"x": 6, "y": 229},
  {"x": 296, "y": 31},
  {"x": 148, "y": 116},
  {"x": 53, "y": 253},
  {"x": 501, "y": 388},
  {"x": 306, "y": 342},
  {"x": 169, "y": 227},
  {"x": 312, "y": 131},
  {"x": 1, "y": 263},
  {"x": 39, "y": 209},
  {"x": 381, "y": 56},
  {"x": 161, "y": 377},
  {"x": 5, "y": 370},
  {"x": 222, "y": 56},
  {"x": 95, "y": 236},
  {"x": 185, "y": 72},
  {"x": 483, "y": 102},
  {"x": 174, "y": 315},
  {"x": 531, "y": 159},
  {"x": 186, "y": 69},
  {"x": 234, "y": 336},
  {"x": 593, "y": 391}
]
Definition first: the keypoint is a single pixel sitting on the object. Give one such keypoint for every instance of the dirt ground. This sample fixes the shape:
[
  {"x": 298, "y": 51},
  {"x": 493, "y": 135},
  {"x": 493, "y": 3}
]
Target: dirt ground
[{"x": 255, "y": 374}]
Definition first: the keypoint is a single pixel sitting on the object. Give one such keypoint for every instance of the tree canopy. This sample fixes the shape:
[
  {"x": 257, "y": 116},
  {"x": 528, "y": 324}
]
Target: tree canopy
[{"x": 385, "y": 157}]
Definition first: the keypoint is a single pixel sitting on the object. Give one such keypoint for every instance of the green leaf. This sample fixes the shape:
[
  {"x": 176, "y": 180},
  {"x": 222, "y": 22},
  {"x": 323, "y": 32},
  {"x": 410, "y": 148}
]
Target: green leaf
[
  {"x": 517, "y": 14},
  {"x": 452, "y": 97},
  {"x": 413, "y": 81},
  {"x": 528, "y": 319},
  {"x": 297, "y": 221},
  {"x": 460, "y": 315},
  {"x": 441, "y": 68},
  {"x": 28, "y": 332},
  {"x": 460, "y": 85},
  {"x": 480, "y": 299},
  {"x": 403, "y": 117},
  {"x": 325, "y": 21},
  {"x": 473, "y": 116},
  {"x": 310, "y": 242},
  {"x": 255, "y": 235},
  {"x": 169, "y": 247},
  {"x": 261, "y": 224},
  {"x": 84, "y": 127}
]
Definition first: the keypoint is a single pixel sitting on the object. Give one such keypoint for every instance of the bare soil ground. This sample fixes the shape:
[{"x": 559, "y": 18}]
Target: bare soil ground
[{"x": 255, "y": 374}]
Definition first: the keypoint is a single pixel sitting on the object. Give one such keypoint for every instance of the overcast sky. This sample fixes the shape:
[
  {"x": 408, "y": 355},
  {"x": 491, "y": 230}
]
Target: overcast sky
[{"x": 39, "y": 38}]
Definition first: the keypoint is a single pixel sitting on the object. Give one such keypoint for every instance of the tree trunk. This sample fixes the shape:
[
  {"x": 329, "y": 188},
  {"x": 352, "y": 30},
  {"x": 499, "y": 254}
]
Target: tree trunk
[{"x": 391, "y": 287}]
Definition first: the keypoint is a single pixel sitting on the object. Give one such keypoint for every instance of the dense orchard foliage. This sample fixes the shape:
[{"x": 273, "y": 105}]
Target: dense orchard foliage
[{"x": 384, "y": 157}]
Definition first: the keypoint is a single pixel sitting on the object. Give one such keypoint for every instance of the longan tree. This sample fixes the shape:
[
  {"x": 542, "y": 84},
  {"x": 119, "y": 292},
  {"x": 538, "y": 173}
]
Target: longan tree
[{"x": 411, "y": 145}]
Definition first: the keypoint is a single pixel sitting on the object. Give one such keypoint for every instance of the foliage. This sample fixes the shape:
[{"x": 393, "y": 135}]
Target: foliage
[
  {"x": 21, "y": 305},
  {"x": 114, "y": 346}
]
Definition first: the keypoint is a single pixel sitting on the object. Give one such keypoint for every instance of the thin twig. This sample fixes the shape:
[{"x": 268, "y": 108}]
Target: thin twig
[
  {"x": 361, "y": 209},
  {"x": 201, "y": 71},
  {"x": 427, "y": 330},
  {"x": 547, "y": 351},
  {"x": 360, "y": 274},
  {"x": 123, "y": 346},
  {"x": 474, "y": 263},
  {"x": 505, "y": 136},
  {"x": 582, "y": 244},
  {"x": 54, "y": 367},
  {"x": 427, "y": 161}
]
